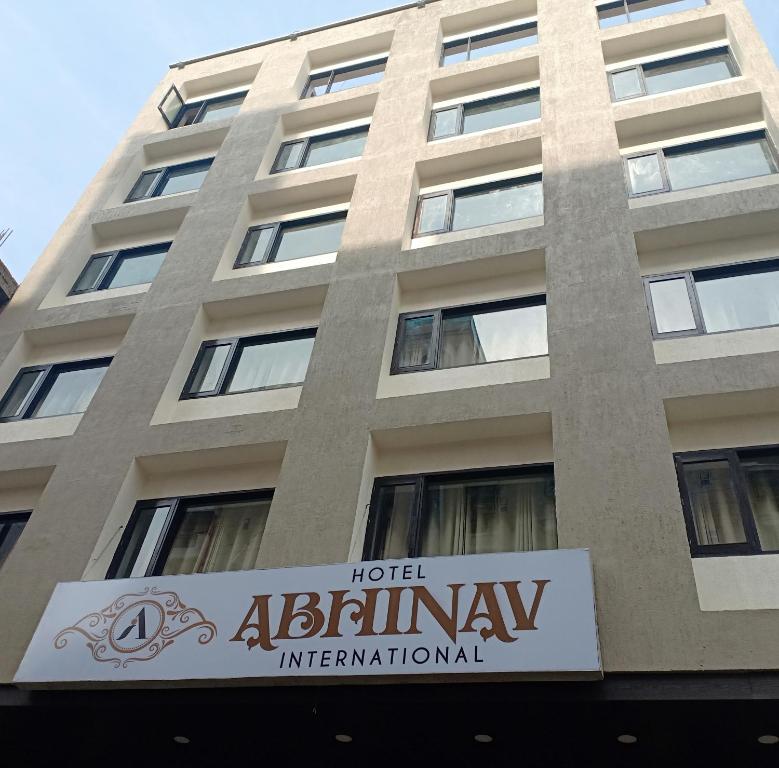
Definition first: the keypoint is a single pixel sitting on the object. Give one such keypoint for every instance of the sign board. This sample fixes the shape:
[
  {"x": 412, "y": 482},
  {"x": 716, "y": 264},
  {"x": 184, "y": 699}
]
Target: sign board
[{"x": 529, "y": 612}]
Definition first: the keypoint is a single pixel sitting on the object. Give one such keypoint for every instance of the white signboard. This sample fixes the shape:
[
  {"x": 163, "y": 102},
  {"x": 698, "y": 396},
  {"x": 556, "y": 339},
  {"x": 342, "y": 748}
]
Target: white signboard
[{"x": 527, "y": 612}]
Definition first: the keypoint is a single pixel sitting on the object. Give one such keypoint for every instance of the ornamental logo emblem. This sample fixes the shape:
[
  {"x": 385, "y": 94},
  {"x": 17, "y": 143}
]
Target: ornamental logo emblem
[{"x": 137, "y": 627}]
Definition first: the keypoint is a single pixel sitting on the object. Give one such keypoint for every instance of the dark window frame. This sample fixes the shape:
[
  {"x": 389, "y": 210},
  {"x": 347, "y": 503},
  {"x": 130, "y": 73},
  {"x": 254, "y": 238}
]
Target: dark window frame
[
  {"x": 309, "y": 140},
  {"x": 202, "y": 106},
  {"x": 733, "y": 457},
  {"x": 461, "y": 111},
  {"x": 237, "y": 344},
  {"x": 724, "y": 52},
  {"x": 163, "y": 174},
  {"x": 43, "y": 385},
  {"x": 691, "y": 147},
  {"x": 469, "y": 39},
  {"x": 453, "y": 194},
  {"x": 6, "y": 520},
  {"x": 692, "y": 277},
  {"x": 375, "y": 527},
  {"x": 439, "y": 314},
  {"x": 333, "y": 73},
  {"x": 177, "y": 510},
  {"x": 274, "y": 243},
  {"x": 108, "y": 272},
  {"x": 625, "y": 4}
]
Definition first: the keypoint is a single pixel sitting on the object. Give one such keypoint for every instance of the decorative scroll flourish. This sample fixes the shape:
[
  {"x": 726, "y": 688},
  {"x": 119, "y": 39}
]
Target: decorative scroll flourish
[{"x": 137, "y": 626}]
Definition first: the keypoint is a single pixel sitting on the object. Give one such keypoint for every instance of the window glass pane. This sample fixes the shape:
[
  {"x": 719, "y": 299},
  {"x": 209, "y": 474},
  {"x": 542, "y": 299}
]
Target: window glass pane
[
  {"x": 671, "y": 302},
  {"x": 416, "y": 342},
  {"x": 271, "y": 365},
  {"x": 222, "y": 109},
  {"x": 645, "y": 175},
  {"x": 713, "y": 502},
  {"x": 289, "y": 156},
  {"x": 317, "y": 85},
  {"x": 135, "y": 270},
  {"x": 71, "y": 392},
  {"x": 626, "y": 84},
  {"x": 171, "y": 105},
  {"x": 188, "y": 115},
  {"x": 357, "y": 77},
  {"x": 490, "y": 336},
  {"x": 612, "y": 15},
  {"x": 455, "y": 51},
  {"x": 508, "y": 41},
  {"x": 432, "y": 214},
  {"x": 9, "y": 534},
  {"x": 301, "y": 240},
  {"x": 395, "y": 506},
  {"x": 650, "y": 9},
  {"x": 763, "y": 486},
  {"x": 328, "y": 150},
  {"x": 143, "y": 540},
  {"x": 255, "y": 246},
  {"x": 686, "y": 75},
  {"x": 739, "y": 301},
  {"x": 506, "y": 111},
  {"x": 184, "y": 180},
  {"x": 218, "y": 537},
  {"x": 445, "y": 122},
  {"x": 18, "y": 396},
  {"x": 209, "y": 368},
  {"x": 695, "y": 168},
  {"x": 87, "y": 281},
  {"x": 143, "y": 185},
  {"x": 498, "y": 514},
  {"x": 497, "y": 205}
]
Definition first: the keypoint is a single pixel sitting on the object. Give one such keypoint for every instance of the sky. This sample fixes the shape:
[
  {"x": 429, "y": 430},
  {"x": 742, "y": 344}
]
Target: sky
[{"x": 78, "y": 71}]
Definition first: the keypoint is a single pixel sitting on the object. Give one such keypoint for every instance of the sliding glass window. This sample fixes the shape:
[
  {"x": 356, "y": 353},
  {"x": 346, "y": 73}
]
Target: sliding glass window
[
  {"x": 731, "y": 501},
  {"x": 11, "y": 527},
  {"x": 493, "y": 112},
  {"x": 729, "y": 298},
  {"x": 177, "y": 113},
  {"x": 318, "y": 150},
  {"x": 202, "y": 534},
  {"x": 477, "y": 46},
  {"x": 464, "y": 513},
  {"x": 672, "y": 74},
  {"x": 186, "y": 177},
  {"x": 471, "y": 335},
  {"x": 288, "y": 240},
  {"x": 118, "y": 269},
  {"x": 713, "y": 161},
  {"x": 479, "y": 206},
  {"x": 250, "y": 364},
  {"x": 616, "y": 12},
  {"x": 343, "y": 78}
]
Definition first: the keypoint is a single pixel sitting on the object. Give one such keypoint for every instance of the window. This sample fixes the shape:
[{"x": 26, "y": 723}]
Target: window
[
  {"x": 288, "y": 240},
  {"x": 168, "y": 181},
  {"x": 11, "y": 527},
  {"x": 177, "y": 113},
  {"x": 250, "y": 364},
  {"x": 201, "y": 534},
  {"x": 731, "y": 501},
  {"x": 704, "y": 162},
  {"x": 713, "y": 300},
  {"x": 672, "y": 74},
  {"x": 479, "y": 206},
  {"x": 458, "y": 336},
  {"x": 472, "y": 47},
  {"x": 484, "y": 114},
  {"x": 52, "y": 390},
  {"x": 318, "y": 150},
  {"x": 342, "y": 78},
  {"x": 611, "y": 14},
  {"x": 117, "y": 269},
  {"x": 464, "y": 513}
]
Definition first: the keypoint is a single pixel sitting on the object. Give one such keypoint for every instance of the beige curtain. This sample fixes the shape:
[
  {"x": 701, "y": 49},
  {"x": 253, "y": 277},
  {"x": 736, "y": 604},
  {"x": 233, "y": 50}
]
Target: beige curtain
[
  {"x": 714, "y": 504},
  {"x": 763, "y": 486}
]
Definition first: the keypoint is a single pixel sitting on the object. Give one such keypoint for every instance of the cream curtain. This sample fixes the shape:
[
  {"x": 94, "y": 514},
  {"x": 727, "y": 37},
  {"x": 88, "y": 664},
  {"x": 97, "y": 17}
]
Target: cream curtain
[
  {"x": 714, "y": 504},
  {"x": 763, "y": 484}
]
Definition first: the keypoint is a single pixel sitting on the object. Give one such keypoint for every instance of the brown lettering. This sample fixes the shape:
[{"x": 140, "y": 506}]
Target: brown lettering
[
  {"x": 447, "y": 621},
  {"x": 363, "y": 611},
  {"x": 312, "y": 619},
  {"x": 524, "y": 620},
  {"x": 261, "y": 626},
  {"x": 497, "y": 628}
]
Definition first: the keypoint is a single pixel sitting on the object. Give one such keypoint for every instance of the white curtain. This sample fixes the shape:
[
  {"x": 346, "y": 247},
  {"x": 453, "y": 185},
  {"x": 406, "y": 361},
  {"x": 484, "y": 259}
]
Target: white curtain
[
  {"x": 763, "y": 486},
  {"x": 714, "y": 504}
]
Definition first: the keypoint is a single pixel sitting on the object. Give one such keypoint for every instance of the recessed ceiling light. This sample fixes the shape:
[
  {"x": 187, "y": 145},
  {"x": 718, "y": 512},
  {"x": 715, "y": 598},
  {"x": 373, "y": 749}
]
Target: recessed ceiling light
[
  {"x": 482, "y": 738},
  {"x": 627, "y": 738},
  {"x": 181, "y": 739},
  {"x": 768, "y": 738},
  {"x": 344, "y": 738}
]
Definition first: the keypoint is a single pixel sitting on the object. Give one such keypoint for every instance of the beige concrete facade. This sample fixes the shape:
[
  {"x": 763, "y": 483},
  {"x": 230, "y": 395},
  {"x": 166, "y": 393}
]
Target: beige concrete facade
[{"x": 608, "y": 405}]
